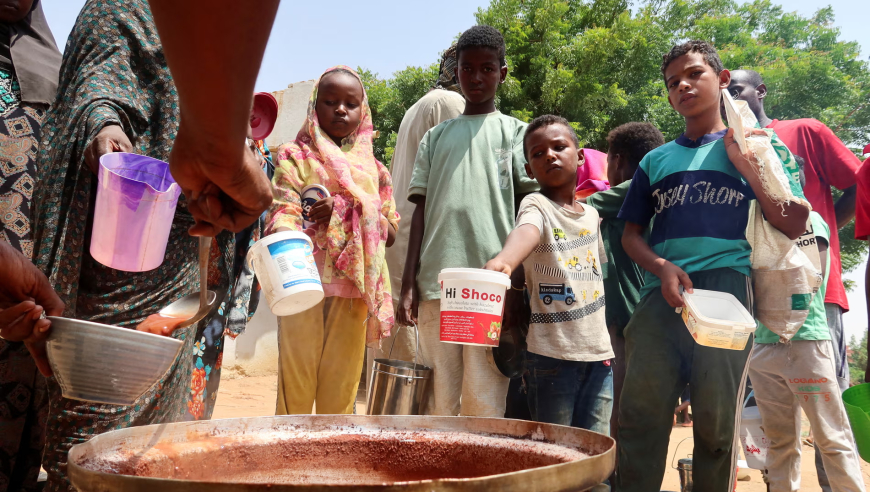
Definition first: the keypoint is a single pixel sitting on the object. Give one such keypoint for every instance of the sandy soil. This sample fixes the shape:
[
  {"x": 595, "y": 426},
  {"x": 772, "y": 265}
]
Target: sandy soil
[{"x": 255, "y": 396}]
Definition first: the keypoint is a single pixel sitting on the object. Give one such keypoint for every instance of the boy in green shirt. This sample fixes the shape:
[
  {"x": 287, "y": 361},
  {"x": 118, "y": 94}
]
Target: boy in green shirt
[
  {"x": 467, "y": 176},
  {"x": 800, "y": 374},
  {"x": 623, "y": 278}
]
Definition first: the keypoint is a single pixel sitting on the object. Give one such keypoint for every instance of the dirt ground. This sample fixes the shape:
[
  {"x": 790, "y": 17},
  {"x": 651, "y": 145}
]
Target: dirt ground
[{"x": 255, "y": 396}]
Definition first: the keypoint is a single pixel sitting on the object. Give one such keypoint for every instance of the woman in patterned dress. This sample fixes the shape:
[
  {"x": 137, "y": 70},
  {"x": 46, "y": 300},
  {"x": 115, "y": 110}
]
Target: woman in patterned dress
[
  {"x": 29, "y": 62},
  {"x": 116, "y": 93}
]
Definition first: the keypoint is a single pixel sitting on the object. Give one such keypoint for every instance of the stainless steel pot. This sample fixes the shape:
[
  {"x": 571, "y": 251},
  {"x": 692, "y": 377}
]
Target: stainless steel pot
[
  {"x": 136, "y": 444},
  {"x": 398, "y": 387}
]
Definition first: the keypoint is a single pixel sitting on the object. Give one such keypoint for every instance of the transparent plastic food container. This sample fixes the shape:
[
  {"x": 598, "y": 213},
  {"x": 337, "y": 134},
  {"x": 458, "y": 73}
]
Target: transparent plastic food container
[{"x": 717, "y": 319}]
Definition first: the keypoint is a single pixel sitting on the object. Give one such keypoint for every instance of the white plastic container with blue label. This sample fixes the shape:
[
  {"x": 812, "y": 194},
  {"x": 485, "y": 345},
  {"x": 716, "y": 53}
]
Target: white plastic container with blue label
[{"x": 284, "y": 263}]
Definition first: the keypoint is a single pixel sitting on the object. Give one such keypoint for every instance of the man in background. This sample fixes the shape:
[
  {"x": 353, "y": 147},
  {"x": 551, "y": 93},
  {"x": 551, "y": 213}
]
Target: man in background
[
  {"x": 443, "y": 102},
  {"x": 827, "y": 162},
  {"x": 862, "y": 230}
]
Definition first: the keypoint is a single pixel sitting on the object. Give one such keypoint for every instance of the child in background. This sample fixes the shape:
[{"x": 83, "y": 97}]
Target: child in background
[
  {"x": 321, "y": 349},
  {"x": 697, "y": 189},
  {"x": 623, "y": 278},
  {"x": 557, "y": 241},
  {"x": 800, "y": 374},
  {"x": 468, "y": 173}
]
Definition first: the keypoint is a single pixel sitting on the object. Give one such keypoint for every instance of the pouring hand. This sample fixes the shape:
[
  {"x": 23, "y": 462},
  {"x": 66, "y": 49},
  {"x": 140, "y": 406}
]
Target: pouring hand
[
  {"x": 225, "y": 185},
  {"x": 26, "y": 293},
  {"x": 110, "y": 139}
]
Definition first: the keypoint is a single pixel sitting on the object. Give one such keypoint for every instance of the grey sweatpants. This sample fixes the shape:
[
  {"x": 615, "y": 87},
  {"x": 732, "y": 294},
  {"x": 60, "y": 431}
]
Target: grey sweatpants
[
  {"x": 841, "y": 364},
  {"x": 801, "y": 374},
  {"x": 463, "y": 382}
]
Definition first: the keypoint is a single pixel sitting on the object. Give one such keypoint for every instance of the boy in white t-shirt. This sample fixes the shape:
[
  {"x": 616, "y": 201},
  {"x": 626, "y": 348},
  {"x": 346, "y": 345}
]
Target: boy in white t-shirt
[{"x": 557, "y": 241}]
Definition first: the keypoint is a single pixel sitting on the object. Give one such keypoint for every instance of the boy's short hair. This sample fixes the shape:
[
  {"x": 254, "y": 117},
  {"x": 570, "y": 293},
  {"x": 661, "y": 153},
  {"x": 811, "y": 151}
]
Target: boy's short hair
[
  {"x": 482, "y": 37},
  {"x": 634, "y": 140},
  {"x": 711, "y": 56},
  {"x": 547, "y": 120}
]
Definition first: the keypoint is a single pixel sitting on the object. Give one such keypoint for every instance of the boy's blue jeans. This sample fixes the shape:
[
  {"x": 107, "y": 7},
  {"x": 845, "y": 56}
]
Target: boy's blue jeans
[{"x": 567, "y": 392}]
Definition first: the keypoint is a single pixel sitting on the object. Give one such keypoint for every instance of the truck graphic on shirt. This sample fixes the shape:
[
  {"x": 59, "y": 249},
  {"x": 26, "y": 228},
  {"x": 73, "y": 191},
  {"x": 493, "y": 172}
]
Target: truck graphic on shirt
[{"x": 559, "y": 292}]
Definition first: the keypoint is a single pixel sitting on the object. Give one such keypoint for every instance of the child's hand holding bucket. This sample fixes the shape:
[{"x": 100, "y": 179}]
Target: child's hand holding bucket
[
  {"x": 321, "y": 211},
  {"x": 498, "y": 265}
]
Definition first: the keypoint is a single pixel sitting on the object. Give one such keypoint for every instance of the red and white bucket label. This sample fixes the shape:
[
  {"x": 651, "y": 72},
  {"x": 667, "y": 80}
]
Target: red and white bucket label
[{"x": 471, "y": 312}]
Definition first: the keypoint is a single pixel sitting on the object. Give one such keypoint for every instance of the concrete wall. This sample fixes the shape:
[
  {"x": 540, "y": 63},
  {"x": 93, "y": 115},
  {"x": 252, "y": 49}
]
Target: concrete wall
[
  {"x": 292, "y": 108},
  {"x": 255, "y": 352}
]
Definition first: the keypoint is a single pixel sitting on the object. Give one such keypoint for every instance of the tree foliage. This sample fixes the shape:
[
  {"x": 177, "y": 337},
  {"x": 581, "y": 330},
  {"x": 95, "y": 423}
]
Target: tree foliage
[
  {"x": 596, "y": 62},
  {"x": 389, "y": 99},
  {"x": 857, "y": 359}
]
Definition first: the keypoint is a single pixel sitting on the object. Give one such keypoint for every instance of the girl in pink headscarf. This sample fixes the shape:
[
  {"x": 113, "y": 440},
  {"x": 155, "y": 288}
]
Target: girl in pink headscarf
[{"x": 322, "y": 349}]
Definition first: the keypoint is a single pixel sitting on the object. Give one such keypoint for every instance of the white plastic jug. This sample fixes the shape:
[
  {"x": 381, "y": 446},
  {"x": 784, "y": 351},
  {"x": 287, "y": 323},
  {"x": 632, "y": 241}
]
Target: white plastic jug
[
  {"x": 755, "y": 445},
  {"x": 284, "y": 262}
]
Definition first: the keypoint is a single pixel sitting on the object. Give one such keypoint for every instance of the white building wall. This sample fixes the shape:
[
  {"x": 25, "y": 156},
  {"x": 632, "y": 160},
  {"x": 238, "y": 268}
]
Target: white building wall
[{"x": 255, "y": 352}]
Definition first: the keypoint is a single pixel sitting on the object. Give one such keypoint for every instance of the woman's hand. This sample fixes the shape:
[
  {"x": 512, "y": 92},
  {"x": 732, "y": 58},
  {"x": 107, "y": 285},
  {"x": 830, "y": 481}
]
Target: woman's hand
[
  {"x": 110, "y": 139},
  {"x": 22, "y": 321},
  {"x": 25, "y": 293},
  {"x": 321, "y": 211}
]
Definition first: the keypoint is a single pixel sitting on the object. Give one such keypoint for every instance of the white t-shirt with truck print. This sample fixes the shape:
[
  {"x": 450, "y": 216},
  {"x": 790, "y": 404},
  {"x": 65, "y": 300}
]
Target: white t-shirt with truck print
[{"x": 565, "y": 281}]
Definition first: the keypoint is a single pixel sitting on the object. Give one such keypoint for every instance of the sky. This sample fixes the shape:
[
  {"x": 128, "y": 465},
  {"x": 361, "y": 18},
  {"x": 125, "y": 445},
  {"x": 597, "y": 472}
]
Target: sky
[{"x": 388, "y": 35}]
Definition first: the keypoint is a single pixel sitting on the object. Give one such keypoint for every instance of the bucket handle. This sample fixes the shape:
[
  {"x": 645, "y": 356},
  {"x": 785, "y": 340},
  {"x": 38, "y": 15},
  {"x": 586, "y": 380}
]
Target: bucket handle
[
  {"x": 674, "y": 459},
  {"x": 417, "y": 342}
]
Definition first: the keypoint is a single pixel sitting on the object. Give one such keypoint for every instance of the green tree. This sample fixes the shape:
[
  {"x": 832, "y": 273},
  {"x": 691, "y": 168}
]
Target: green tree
[
  {"x": 390, "y": 98},
  {"x": 858, "y": 359},
  {"x": 596, "y": 62}
]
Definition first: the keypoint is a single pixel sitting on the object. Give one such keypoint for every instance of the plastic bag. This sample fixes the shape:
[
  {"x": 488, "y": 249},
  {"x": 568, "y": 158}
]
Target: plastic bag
[{"x": 786, "y": 274}]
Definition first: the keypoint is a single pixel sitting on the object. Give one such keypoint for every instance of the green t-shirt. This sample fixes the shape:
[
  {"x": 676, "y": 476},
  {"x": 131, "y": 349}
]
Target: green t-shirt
[
  {"x": 623, "y": 278},
  {"x": 470, "y": 170},
  {"x": 816, "y": 325}
]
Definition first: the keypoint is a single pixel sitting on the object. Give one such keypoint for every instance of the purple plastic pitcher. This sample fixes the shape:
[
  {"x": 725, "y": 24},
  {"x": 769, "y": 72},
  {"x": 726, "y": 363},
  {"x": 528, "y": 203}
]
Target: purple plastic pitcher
[{"x": 136, "y": 198}]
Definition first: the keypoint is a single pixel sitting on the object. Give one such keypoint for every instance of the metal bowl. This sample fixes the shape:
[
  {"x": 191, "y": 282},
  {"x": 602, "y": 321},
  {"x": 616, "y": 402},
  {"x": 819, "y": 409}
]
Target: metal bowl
[
  {"x": 287, "y": 454},
  {"x": 107, "y": 364}
]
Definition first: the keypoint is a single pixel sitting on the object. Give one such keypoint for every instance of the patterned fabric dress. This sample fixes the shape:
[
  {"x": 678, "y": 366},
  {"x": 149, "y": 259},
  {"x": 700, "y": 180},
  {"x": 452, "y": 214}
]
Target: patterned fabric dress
[
  {"x": 23, "y": 406},
  {"x": 114, "y": 72}
]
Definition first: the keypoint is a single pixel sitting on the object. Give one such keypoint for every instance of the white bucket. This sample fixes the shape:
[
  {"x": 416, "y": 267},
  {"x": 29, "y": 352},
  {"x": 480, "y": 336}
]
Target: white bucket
[
  {"x": 472, "y": 303},
  {"x": 284, "y": 262},
  {"x": 717, "y": 319},
  {"x": 755, "y": 444}
]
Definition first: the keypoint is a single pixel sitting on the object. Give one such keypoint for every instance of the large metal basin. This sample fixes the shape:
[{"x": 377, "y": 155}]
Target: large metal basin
[{"x": 426, "y": 455}]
